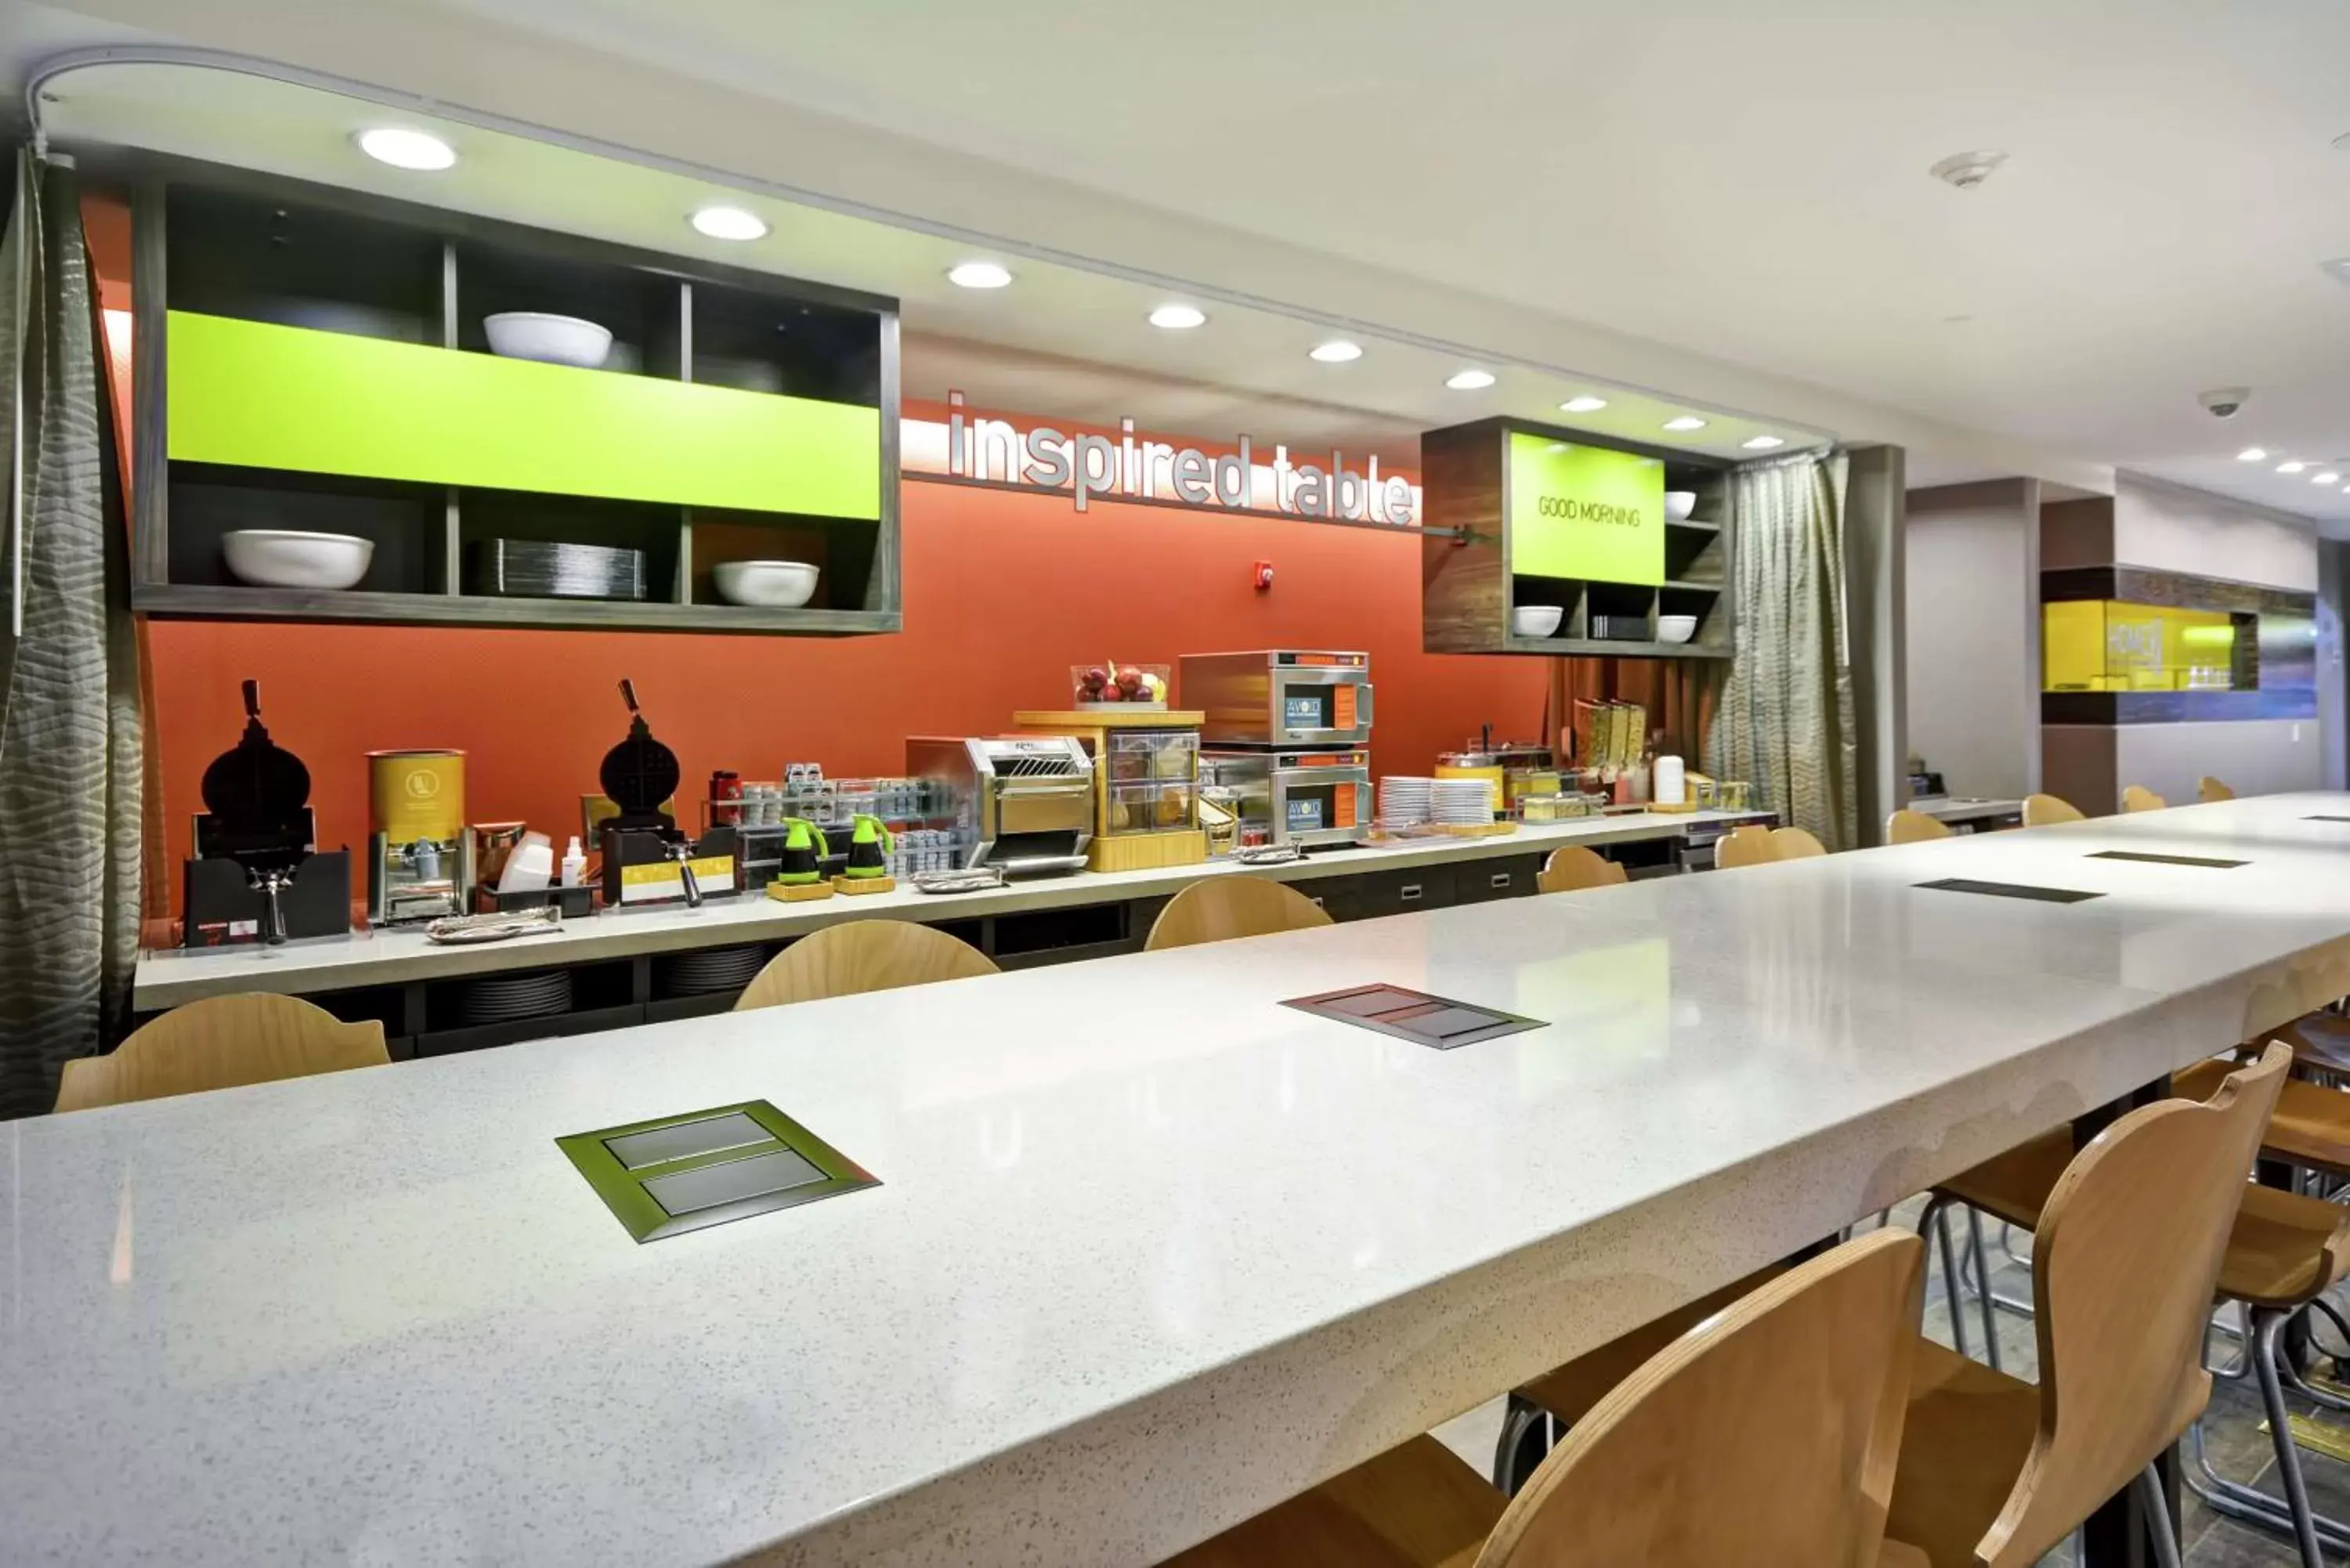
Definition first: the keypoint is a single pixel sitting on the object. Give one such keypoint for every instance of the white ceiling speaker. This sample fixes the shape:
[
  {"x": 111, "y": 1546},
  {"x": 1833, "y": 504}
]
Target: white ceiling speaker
[{"x": 1968, "y": 169}]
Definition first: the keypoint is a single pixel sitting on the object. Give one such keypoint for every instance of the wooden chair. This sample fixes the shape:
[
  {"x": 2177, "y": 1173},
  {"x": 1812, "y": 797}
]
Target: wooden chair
[
  {"x": 2046, "y": 810},
  {"x": 2128, "y": 1250},
  {"x": 1222, "y": 908},
  {"x": 1906, "y": 826},
  {"x": 2138, "y": 797},
  {"x": 1765, "y": 1436},
  {"x": 220, "y": 1044},
  {"x": 858, "y": 956},
  {"x": 1751, "y": 846},
  {"x": 1571, "y": 869},
  {"x": 2208, "y": 789},
  {"x": 1796, "y": 844}
]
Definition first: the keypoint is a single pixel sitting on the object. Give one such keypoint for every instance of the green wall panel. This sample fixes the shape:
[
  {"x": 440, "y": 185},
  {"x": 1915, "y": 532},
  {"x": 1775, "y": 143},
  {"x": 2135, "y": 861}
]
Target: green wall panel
[
  {"x": 1585, "y": 512},
  {"x": 256, "y": 395}
]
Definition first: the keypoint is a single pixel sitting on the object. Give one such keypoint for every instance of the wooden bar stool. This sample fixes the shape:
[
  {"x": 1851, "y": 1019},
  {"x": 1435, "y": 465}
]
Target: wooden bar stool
[
  {"x": 1796, "y": 844},
  {"x": 1222, "y": 908},
  {"x": 1906, "y": 826},
  {"x": 2045, "y": 810},
  {"x": 860, "y": 956},
  {"x": 222, "y": 1043},
  {"x": 1749, "y": 845},
  {"x": 1571, "y": 869},
  {"x": 1765, "y": 1436},
  {"x": 2138, "y": 797},
  {"x": 2208, "y": 789}
]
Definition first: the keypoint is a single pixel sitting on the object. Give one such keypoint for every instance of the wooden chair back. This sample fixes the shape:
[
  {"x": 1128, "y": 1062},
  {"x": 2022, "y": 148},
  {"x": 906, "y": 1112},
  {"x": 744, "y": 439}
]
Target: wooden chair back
[
  {"x": 860, "y": 956},
  {"x": 2124, "y": 1262},
  {"x": 220, "y": 1044},
  {"x": 1749, "y": 846},
  {"x": 1571, "y": 869},
  {"x": 1222, "y": 908},
  {"x": 1906, "y": 826},
  {"x": 1796, "y": 844},
  {"x": 1766, "y": 1435},
  {"x": 2044, "y": 810},
  {"x": 2208, "y": 788},
  {"x": 2138, "y": 797}
]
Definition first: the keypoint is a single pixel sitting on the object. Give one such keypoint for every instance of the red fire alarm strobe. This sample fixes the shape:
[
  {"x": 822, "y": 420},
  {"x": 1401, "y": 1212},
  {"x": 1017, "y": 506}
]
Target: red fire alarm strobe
[{"x": 1261, "y": 575}]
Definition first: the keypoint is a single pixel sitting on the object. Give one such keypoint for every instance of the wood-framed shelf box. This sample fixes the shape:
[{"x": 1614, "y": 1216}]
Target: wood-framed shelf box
[
  {"x": 311, "y": 357},
  {"x": 1471, "y": 583}
]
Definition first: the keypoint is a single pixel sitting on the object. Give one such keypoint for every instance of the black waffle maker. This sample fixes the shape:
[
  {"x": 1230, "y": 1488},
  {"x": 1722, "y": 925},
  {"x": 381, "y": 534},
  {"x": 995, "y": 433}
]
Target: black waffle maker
[
  {"x": 647, "y": 859},
  {"x": 255, "y": 875}
]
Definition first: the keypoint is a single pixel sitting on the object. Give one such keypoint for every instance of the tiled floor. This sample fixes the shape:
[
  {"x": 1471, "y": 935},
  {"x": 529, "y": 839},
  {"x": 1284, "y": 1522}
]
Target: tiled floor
[{"x": 2239, "y": 1442}]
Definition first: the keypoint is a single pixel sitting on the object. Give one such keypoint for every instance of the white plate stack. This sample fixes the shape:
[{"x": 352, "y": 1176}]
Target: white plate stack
[
  {"x": 1405, "y": 801},
  {"x": 1462, "y": 803}
]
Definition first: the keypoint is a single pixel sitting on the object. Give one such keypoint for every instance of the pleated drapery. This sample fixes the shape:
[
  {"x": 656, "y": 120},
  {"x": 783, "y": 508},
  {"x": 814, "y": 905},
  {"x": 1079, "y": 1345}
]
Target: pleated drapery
[
  {"x": 1787, "y": 723},
  {"x": 71, "y": 763}
]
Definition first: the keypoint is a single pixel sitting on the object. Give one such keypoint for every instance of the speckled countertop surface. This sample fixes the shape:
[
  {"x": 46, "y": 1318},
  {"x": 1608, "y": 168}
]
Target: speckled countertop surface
[
  {"x": 172, "y": 976},
  {"x": 1150, "y": 1253}
]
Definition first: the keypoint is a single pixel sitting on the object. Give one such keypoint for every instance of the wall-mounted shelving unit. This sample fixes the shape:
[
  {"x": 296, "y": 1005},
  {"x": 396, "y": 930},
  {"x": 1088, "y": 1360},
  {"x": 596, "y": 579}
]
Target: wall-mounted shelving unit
[
  {"x": 1472, "y": 582},
  {"x": 309, "y": 358}
]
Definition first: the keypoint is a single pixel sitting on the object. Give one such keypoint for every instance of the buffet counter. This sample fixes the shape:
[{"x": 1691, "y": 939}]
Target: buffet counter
[{"x": 1353, "y": 883}]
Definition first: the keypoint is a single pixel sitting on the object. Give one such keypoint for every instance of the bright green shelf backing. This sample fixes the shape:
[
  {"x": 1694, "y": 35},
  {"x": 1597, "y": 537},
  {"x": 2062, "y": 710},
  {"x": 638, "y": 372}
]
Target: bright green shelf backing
[{"x": 254, "y": 395}]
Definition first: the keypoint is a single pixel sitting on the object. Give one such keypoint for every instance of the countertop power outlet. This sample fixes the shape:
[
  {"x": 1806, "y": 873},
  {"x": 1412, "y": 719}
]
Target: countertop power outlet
[
  {"x": 673, "y": 1174},
  {"x": 1431, "y": 1021}
]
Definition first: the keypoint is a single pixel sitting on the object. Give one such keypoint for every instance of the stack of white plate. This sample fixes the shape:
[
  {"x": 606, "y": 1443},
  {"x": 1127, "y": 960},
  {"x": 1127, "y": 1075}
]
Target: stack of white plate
[
  {"x": 1405, "y": 801},
  {"x": 1461, "y": 801}
]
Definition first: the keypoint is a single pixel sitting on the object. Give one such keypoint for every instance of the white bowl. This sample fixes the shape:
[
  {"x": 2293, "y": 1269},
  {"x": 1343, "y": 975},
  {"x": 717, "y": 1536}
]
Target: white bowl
[
  {"x": 1676, "y": 628},
  {"x": 771, "y": 585},
  {"x": 1679, "y": 504},
  {"x": 289, "y": 558},
  {"x": 1536, "y": 620},
  {"x": 550, "y": 339}
]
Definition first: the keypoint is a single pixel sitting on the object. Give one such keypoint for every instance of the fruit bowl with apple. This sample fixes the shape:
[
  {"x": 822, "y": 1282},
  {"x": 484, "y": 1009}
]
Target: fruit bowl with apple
[{"x": 1111, "y": 684}]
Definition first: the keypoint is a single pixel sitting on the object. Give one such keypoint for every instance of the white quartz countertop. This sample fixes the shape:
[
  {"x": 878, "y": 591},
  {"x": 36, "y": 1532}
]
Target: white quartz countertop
[
  {"x": 1150, "y": 1252},
  {"x": 394, "y": 955}
]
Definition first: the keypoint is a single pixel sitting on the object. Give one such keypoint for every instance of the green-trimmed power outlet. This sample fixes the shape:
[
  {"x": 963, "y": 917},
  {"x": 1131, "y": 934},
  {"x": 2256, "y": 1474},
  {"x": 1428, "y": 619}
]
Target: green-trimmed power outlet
[{"x": 674, "y": 1174}]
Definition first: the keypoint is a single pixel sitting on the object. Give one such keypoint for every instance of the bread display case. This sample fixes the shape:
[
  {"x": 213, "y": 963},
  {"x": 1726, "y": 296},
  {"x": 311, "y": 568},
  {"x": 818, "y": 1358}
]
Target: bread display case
[{"x": 1145, "y": 783}]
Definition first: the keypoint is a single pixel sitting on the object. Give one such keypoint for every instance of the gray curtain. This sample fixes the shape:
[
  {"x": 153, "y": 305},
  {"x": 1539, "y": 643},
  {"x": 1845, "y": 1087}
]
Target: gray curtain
[
  {"x": 70, "y": 725},
  {"x": 1787, "y": 723}
]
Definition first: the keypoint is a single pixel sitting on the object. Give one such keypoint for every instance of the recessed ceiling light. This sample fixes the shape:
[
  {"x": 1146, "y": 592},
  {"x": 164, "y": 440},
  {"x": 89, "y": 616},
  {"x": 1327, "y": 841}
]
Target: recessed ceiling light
[
  {"x": 1685, "y": 423},
  {"x": 978, "y": 275},
  {"x": 1763, "y": 443},
  {"x": 2294, "y": 466},
  {"x": 2252, "y": 454},
  {"x": 1179, "y": 317},
  {"x": 1469, "y": 380},
  {"x": 1586, "y": 404},
  {"x": 405, "y": 148},
  {"x": 729, "y": 223},
  {"x": 1968, "y": 169},
  {"x": 1338, "y": 351},
  {"x": 2328, "y": 477}
]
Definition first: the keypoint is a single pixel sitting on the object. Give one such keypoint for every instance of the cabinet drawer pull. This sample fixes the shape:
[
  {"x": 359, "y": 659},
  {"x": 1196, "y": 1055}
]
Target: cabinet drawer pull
[
  {"x": 1317, "y": 903},
  {"x": 1501, "y": 879},
  {"x": 1411, "y": 893}
]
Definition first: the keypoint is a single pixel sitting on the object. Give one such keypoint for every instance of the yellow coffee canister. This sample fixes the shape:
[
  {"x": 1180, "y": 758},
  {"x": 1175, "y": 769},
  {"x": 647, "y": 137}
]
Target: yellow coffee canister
[{"x": 416, "y": 794}]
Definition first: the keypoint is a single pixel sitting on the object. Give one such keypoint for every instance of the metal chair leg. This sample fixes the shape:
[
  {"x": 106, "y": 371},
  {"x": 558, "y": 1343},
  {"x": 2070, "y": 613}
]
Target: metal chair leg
[
  {"x": 1525, "y": 1443},
  {"x": 2235, "y": 1500},
  {"x": 2267, "y": 1325},
  {"x": 1983, "y": 1297},
  {"x": 1936, "y": 1218},
  {"x": 2159, "y": 1524}
]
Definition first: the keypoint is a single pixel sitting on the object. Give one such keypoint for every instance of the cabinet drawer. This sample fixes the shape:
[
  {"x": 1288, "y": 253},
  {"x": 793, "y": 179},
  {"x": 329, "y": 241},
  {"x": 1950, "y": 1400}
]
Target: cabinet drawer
[
  {"x": 1378, "y": 893},
  {"x": 1503, "y": 877}
]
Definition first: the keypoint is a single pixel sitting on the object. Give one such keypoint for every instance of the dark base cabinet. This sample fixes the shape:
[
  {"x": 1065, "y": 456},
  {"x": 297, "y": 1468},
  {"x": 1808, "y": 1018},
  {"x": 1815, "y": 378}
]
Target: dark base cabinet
[{"x": 423, "y": 1018}]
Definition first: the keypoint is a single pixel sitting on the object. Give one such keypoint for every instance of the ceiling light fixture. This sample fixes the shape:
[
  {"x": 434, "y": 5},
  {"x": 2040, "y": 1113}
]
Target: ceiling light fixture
[
  {"x": 2293, "y": 466},
  {"x": 1586, "y": 404},
  {"x": 2328, "y": 477},
  {"x": 979, "y": 275},
  {"x": 1469, "y": 380},
  {"x": 1763, "y": 443},
  {"x": 1338, "y": 351},
  {"x": 2252, "y": 454},
  {"x": 1179, "y": 317},
  {"x": 405, "y": 148},
  {"x": 1968, "y": 169},
  {"x": 722, "y": 222},
  {"x": 1685, "y": 423}
]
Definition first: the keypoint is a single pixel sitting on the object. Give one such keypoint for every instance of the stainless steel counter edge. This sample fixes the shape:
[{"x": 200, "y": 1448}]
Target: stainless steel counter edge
[{"x": 169, "y": 978}]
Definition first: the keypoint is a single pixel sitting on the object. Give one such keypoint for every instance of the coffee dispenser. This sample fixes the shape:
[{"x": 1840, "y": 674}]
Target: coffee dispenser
[{"x": 420, "y": 853}]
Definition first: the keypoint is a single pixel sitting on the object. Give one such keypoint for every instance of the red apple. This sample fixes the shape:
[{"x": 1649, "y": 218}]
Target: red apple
[{"x": 1097, "y": 678}]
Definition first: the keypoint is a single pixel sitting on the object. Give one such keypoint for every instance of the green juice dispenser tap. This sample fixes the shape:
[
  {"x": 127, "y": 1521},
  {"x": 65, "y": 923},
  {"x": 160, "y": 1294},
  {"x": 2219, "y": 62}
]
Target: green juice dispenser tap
[
  {"x": 803, "y": 846},
  {"x": 868, "y": 844}
]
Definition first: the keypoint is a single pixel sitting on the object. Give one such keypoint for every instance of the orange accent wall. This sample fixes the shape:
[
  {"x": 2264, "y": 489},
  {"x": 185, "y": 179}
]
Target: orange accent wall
[{"x": 1002, "y": 593}]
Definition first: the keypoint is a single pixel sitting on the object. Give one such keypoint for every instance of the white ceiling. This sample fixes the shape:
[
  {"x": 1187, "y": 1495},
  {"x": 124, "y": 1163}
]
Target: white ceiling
[
  {"x": 1744, "y": 181},
  {"x": 1741, "y": 179}
]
